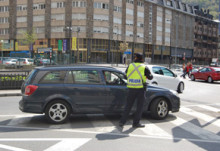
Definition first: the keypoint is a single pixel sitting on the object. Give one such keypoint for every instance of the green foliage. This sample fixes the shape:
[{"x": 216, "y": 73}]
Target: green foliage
[
  {"x": 28, "y": 37},
  {"x": 212, "y": 5},
  {"x": 12, "y": 78}
]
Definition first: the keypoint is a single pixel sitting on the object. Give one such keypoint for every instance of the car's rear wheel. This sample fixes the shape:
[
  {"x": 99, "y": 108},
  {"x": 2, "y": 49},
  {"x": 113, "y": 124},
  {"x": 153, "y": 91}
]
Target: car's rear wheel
[
  {"x": 57, "y": 112},
  {"x": 180, "y": 87},
  {"x": 209, "y": 79},
  {"x": 159, "y": 108},
  {"x": 192, "y": 77}
]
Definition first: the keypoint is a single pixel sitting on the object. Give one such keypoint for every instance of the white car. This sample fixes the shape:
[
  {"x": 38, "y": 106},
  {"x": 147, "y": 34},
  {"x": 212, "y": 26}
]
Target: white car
[
  {"x": 166, "y": 78},
  {"x": 24, "y": 61},
  {"x": 10, "y": 63}
]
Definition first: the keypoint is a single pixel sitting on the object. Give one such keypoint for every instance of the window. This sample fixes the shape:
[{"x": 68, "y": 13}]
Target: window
[
  {"x": 54, "y": 77},
  {"x": 21, "y": 19},
  {"x": 83, "y": 77},
  {"x": 79, "y": 16},
  {"x": 114, "y": 78},
  {"x": 101, "y": 17},
  {"x": 21, "y": 7},
  {"x": 4, "y": 31},
  {"x": 101, "y": 5},
  {"x": 57, "y": 17},
  {"x": 3, "y": 8},
  {"x": 167, "y": 72},
  {"x": 129, "y": 11},
  {"x": 130, "y": 1},
  {"x": 117, "y": 20},
  {"x": 57, "y": 29},
  {"x": 39, "y": 30},
  {"x": 38, "y": 18},
  {"x": 38, "y": 6},
  {"x": 117, "y": 9},
  {"x": 3, "y": 20},
  {"x": 140, "y": 14}
]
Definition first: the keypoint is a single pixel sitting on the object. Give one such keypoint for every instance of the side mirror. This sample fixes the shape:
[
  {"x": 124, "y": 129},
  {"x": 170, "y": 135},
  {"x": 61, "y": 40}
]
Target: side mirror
[{"x": 175, "y": 75}]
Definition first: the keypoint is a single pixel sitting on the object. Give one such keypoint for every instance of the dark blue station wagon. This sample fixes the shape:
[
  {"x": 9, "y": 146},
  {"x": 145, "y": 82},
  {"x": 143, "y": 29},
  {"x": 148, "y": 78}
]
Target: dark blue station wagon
[{"x": 61, "y": 91}]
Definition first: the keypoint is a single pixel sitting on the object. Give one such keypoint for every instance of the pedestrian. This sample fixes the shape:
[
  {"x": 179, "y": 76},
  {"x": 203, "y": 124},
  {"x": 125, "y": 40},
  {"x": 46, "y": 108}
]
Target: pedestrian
[
  {"x": 124, "y": 60},
  {"x": 184, "y": 71},
  {"x": 136, "y": 83}
]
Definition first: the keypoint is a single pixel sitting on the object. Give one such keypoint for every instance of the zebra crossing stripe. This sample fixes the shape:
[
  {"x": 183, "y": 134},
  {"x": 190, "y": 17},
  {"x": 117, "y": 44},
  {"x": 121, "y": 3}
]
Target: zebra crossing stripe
[
  {"x": 154, "y": 130},
  {"x": 198, "y": 131},
  {"x": 207, "y": 118},
  {"x": 210, "y": 108},
  {"x": 12, "y": 148},
  {"x": 106, "y": 126}
]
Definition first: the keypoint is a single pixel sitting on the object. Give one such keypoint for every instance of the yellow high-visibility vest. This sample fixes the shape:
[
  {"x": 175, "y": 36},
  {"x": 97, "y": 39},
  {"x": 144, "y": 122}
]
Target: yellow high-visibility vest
[{"x": 135, "y": 75}]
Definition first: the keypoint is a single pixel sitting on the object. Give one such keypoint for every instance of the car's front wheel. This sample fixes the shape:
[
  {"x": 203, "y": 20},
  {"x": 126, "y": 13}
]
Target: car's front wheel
[
  {"x": 57, "y": 112},
  {"x": 210, "y": 79},
  {"x": 159, "y": 108},
  {"x": 192, "y": 77}
]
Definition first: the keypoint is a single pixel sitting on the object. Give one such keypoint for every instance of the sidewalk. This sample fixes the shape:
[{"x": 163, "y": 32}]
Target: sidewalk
[{"x": 4, "y": 93}]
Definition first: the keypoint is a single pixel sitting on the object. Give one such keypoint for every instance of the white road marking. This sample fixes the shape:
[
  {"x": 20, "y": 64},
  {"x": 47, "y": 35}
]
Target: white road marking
[
  {"x": 67, "y": 144},
  {"x": 112, "y": 134},
  {"x": 198, "y": 131},
  {"x": 104, "y": 125},
  {"x": 207, "y": 118},
  {"x": 210, "y": 108},
  {"x": 12, "y": 148},
  {"x": 153, "y": 129}
]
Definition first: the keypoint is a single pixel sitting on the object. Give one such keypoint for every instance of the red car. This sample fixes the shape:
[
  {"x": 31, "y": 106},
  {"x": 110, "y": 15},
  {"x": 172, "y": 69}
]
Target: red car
[{"x": 209, "y": 74}]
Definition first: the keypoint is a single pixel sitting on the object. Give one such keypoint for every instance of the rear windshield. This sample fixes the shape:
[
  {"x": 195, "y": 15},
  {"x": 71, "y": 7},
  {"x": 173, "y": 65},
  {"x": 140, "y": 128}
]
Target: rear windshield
[
  {"x": 31, "y": 74},
  {"x": 217, "y": 69}
]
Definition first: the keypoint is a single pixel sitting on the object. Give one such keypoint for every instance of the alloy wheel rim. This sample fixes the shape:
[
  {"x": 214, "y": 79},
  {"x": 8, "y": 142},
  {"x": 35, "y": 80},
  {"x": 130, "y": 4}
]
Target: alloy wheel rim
[
  {"x": 162, "y": 108},
  {"x": 209, "y": 79},
  {"x": 58, "y": 112}
]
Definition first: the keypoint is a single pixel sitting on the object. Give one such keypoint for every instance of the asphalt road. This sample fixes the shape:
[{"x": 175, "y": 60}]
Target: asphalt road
[{"x": 196, "y": 127}]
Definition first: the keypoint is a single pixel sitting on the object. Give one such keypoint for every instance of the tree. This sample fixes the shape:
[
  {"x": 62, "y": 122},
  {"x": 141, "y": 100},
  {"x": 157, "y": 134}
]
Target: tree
[
  {"x": 123, "y": 46},
  {"x": 28, "y": 38}
]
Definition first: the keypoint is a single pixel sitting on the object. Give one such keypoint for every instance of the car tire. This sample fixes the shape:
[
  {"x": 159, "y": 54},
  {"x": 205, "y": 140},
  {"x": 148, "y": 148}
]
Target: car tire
[
  {"x": 209, "y": 79},
  {"x": 57, "y": 112},
  {"x": 159, "y": 108},
  {"x": 192, "y": 77},
  {"x": 180, "y": 87}
]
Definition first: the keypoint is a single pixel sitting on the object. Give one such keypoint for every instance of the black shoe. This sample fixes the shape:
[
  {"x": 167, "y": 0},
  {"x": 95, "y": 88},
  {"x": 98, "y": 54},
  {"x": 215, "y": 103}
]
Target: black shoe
[
  {"x": 121, "y": 124},
  {"x": 138, "y": 125}
]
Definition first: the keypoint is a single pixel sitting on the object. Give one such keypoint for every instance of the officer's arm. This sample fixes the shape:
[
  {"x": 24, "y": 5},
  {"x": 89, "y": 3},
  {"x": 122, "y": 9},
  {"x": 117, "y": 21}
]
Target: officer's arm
[{"x": 148, "y": 74}]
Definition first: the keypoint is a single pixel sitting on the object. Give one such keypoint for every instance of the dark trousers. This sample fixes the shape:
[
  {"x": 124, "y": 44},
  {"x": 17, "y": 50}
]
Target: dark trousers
[{"x": 134, "y": 94}]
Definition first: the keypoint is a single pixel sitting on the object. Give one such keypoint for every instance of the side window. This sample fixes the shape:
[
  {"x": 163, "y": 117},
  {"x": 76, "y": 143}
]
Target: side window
[
  {"x": 203, "y": 70},
  {"x": 114, "y": 78},
  {"x": 54, "y": 77},
  {"x": 157, "y": 70},
  {"x": 167, "y": 72},
  {"x": 86, "y": 77}
]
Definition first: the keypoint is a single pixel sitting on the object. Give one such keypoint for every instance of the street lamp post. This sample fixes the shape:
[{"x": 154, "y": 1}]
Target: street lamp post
[{"x": 69, "y": 30}]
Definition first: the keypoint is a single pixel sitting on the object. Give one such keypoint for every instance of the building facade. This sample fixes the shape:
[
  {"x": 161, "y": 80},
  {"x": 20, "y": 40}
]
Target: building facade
[
  {"x": 92, "y": 30},
  {"x": 206, "y": 37}
]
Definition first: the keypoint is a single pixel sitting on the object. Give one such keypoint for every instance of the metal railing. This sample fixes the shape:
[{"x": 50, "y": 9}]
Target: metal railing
[{"x": 12, "y": 79}]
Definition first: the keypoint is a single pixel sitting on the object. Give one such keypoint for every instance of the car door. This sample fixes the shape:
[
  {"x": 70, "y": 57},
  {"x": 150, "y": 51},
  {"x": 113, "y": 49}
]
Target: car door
[
  {"x": 86, "y": 90},
  {"x": 165, "y": 77},
  {"x": 202, "y": 74},
  {"x": 116, "y": 91}
]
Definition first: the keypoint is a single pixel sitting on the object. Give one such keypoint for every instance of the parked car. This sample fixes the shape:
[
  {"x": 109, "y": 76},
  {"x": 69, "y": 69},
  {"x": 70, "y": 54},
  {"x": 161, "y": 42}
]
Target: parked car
[
  {"x": 61, "y": 91},
  {"x": 164, "y": 77},
  {"x": 24, "y": 61},
  {"x": 10, "y": 63},
  {"x": 208, "y": 74},
  {"x": 3, "y": 59},
  {"x": 42, "y": 62}
]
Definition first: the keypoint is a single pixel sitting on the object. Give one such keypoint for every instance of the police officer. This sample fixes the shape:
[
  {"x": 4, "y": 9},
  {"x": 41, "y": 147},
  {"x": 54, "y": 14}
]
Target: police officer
[{"x": 136, "y": 83}]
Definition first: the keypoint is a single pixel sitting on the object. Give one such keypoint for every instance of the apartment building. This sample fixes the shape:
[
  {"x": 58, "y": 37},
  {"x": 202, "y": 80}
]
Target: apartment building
[
  {"x": 92, "y": 30},
  {"x": 206, "y": 37}
]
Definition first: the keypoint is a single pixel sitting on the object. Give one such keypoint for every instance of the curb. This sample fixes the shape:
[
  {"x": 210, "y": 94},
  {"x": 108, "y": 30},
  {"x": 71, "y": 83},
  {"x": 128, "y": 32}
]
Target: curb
[{"x": 10, "y": 94}]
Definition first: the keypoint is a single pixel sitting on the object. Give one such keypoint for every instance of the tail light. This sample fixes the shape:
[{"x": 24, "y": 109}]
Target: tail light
[
  {"x": 24, "y": 62},
  {"x": 30, "y": 89}
]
